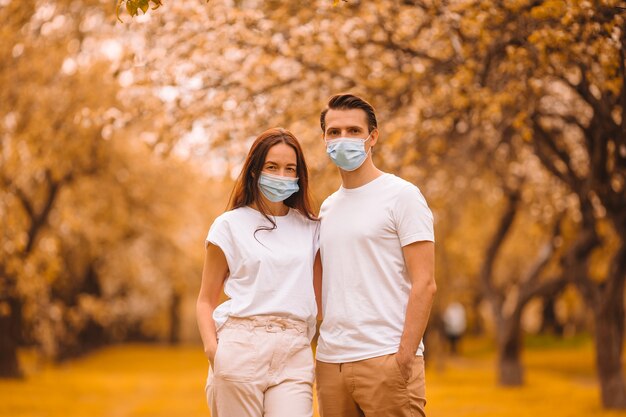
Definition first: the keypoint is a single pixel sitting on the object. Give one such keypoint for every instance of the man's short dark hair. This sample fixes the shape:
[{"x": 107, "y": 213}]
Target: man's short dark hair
[{"x": 348, "y": 102}]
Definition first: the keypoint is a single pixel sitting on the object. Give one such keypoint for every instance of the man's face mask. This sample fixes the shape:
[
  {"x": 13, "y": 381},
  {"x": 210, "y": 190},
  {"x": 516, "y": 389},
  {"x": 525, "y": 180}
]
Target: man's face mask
[{"x": 347, "y": 153}]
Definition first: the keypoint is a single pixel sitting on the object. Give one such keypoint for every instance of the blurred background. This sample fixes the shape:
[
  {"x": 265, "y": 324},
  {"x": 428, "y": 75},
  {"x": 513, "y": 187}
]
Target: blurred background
[{"x": 120, "y": 140}]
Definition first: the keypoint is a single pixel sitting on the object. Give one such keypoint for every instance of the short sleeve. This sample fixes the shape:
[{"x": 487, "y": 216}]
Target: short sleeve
[
  {"x": 316, "y": 237},
  {"x": 414, "y": 220},
  {"x": 220, "y": 235}
]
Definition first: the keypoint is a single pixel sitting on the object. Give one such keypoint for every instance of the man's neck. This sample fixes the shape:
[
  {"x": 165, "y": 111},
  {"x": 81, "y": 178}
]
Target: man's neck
[{"x": 360, "y": 176}]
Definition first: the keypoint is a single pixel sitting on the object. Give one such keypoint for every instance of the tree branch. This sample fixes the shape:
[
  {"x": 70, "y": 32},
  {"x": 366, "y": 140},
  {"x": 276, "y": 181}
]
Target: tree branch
[
  {"x": 566, "y": 118},
  {"x": 543, "y": 258},
  {"x": 583, "y": 88},
  {"x": 506, "y": 221},
  {"x": 39, "y": 219},
  {"x": 542, "y": 136},
  {"x": 621, "y": 138},
  {"x": 575, "y": 264}
]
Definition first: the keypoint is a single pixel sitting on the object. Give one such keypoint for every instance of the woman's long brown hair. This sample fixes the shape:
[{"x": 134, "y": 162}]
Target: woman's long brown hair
[{"x": 246, "y": 191}]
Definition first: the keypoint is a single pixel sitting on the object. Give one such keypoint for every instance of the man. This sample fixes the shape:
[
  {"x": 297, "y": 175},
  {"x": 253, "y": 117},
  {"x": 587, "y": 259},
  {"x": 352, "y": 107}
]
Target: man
[{"x": 377, "y": 253}]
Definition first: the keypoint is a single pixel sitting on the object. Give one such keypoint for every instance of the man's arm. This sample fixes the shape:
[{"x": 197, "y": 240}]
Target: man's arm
[
  {"x": 317, "y": 283},
  {"x": 419, "y": 258}
]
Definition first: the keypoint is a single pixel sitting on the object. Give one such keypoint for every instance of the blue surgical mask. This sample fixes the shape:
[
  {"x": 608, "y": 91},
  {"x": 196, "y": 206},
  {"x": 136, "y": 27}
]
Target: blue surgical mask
[
  {"x": 347, "y": 153},
  {"x": 277, "y": 188}
]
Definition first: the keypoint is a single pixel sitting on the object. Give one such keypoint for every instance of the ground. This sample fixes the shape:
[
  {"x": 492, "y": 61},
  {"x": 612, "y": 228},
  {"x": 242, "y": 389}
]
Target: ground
[{"x": 160, "y": 381}]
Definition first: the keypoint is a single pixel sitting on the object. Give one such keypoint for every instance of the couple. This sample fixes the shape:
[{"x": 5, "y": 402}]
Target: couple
[{"x": 368, "y": 261}]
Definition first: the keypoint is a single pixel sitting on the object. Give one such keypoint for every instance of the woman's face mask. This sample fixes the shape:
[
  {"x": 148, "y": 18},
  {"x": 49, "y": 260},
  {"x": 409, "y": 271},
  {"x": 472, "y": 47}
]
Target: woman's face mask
[{"x": 277, "y": 188}]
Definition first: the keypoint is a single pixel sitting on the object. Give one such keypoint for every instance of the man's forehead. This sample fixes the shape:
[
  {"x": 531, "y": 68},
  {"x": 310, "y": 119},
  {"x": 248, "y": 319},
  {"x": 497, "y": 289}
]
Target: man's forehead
[{"x": 346, "y": 117}]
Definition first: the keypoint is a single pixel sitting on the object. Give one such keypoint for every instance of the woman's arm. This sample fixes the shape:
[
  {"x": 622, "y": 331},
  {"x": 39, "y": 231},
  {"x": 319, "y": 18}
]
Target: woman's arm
[{"x": 214, "y": 273}]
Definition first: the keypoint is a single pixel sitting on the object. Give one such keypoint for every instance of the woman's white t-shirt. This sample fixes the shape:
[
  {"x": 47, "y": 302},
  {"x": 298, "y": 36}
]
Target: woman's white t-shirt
[{"x": 270, "y": 271}]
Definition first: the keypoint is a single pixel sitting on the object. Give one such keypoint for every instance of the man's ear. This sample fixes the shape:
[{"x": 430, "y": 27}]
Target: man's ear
[{"x": 374, "y": 137}]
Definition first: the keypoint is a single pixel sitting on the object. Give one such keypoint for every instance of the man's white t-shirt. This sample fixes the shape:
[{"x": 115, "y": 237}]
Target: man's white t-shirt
[
  {"x": 365, "y": 286},
  {"x": 270, "y": 273}
]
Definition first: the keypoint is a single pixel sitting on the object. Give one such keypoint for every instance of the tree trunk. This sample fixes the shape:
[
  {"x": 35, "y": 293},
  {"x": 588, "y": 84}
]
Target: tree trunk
[
  {"x": 609, "y": 334},
  {"x": 549, "y": 320},
  {"x": 478, "y": 328},
  {"x": 10, "y": 327},
  {"x": 174, "y": 336},
  {"x": 609, "y": 337},
  {"x": 510, "y": 371}
]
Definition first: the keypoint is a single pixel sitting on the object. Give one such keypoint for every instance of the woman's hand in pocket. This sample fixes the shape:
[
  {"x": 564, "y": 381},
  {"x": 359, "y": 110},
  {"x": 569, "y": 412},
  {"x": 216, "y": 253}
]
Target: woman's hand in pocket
[{"x": 210, "y": 353}]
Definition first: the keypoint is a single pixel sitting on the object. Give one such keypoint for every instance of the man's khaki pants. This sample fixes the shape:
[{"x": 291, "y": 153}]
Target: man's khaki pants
[
  {"x": 371, "y": 388},
  {"x": 263, "y": 368}
]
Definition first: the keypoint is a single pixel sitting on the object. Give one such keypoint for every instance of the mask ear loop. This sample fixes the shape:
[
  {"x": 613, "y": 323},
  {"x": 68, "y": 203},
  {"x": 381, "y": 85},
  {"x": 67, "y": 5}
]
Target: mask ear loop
[{"x": 369, "y": 151}]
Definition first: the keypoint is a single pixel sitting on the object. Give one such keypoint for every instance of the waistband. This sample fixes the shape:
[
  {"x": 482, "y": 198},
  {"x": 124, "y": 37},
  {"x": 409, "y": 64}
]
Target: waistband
[{"x": 271, "y": 324}]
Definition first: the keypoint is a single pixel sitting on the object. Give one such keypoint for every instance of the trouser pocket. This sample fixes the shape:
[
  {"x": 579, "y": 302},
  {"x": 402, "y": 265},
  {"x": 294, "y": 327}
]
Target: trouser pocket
[{"x": 236, "y": 355}]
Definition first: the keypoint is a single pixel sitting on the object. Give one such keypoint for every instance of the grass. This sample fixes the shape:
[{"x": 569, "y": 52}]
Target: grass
[
  {"x": 142, "y": 381},
  {"x": 132, "y": 380},
  {"x": 560, "y": 381}
]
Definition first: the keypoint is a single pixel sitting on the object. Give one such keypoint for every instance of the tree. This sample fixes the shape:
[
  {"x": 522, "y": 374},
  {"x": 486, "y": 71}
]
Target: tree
[
  {"x": 96, "y": 226},
  {"x": 39, "y": 161},
  {"x": 538, "y": 62}
]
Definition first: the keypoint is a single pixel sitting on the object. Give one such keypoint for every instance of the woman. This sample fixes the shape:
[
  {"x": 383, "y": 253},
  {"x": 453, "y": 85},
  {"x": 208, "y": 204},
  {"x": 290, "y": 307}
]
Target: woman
[{"x": 262, "y": 251}]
